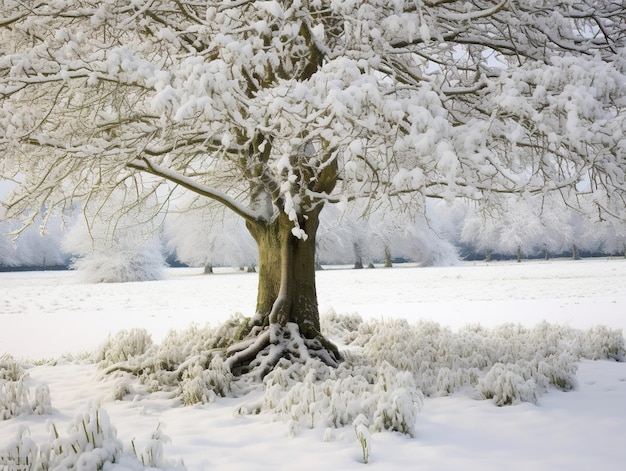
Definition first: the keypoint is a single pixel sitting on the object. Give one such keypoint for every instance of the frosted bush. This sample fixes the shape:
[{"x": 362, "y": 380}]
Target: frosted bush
[
  {"x": 16, "y": 398},
  {"x": 90, "y": 444},
  {"x": 399, "y": 400},
  {"x": 312, "y": 394},
  {"x": 123, "y": 346},
  {"x": 10, "y": 370},
  {"x": 388, "y": 366},
  {"x": 508, "y": 384},
  {"x": 92, "y": 441},
  {"x": 443, "y": 362},
  {"x": 187, "y": 363},
  {"x": 112, "y": 265},
  {"x": 122, "y": 388},
  {"x": 20, "y": 453},
  {"x": 559, "y": 370},
  {"x": 602, "y": 342},
  {"x": 203, "y": 385},
  {"x": 116, "y": 246},
  {"x": 343, "y": 328}
]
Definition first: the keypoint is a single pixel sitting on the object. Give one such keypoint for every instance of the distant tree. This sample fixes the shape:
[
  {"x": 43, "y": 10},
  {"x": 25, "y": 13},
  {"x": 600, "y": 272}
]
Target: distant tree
[
  {"x": 277, "y": 108},
  {"x": 38, "y": 246},
  {"x": 597, "y": 234},
  {"x": 536, "y": 224},
  {"x": 519, "y": 225},
  {"x": 348, "y": 237},
  {"x": 113, "y": 247},
  {"x": 204, "y": 233}
]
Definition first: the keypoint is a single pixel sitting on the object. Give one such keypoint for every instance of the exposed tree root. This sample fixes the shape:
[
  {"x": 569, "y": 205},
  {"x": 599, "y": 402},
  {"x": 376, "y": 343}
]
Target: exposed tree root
[{"x": 258, "y": 355}]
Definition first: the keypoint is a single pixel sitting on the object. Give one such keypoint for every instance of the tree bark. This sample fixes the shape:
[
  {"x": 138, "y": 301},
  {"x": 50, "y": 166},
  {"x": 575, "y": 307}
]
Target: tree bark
[
  {"x": 388, "y": 262},
  {"x": 287, "y": 294},
  {"x": 358, "y": 256}
]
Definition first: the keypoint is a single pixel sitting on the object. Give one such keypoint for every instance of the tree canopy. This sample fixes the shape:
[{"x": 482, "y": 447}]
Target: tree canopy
[{"x": 258, "y": 104}]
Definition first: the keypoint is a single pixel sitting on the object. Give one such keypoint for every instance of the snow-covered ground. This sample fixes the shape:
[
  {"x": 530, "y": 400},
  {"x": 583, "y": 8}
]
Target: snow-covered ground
[{"x": 51, "y": 316}]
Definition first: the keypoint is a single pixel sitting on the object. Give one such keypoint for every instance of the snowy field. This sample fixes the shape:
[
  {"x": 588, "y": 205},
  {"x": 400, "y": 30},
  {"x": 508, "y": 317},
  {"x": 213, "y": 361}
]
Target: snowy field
[{"x": 50, "y": 316}]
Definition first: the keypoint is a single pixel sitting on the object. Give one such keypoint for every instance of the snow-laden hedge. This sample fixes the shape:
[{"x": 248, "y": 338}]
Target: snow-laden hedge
[{"x": 390, "y": 365}]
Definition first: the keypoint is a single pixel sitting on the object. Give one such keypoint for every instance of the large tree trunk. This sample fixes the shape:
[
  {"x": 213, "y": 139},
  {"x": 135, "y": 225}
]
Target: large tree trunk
[
  {"x": 286, "y": 299},
  {"x": 287, "y": 262}
]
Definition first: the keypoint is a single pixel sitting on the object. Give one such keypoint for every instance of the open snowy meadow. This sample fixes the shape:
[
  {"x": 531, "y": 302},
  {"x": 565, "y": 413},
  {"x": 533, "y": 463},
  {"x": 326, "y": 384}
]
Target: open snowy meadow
[{"x": 484, "y": 366}]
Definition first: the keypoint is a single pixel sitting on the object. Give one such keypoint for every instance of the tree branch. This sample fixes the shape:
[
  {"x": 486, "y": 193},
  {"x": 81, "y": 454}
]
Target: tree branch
[{"x": 145, "y": 165}]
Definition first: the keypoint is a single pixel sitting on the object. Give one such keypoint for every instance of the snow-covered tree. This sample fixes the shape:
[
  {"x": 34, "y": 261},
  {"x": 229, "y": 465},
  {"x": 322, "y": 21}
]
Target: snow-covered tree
[
  {"x": 537, "y": 224},
  {"x": 530, "y": 225},
  {"x": 38, "y": 246},
  {"x": 349, "y": 237},
  {"x": 111, "y": 246},
  {"x": 276, "y": 108},
  {"x": 203, "y": 233}
]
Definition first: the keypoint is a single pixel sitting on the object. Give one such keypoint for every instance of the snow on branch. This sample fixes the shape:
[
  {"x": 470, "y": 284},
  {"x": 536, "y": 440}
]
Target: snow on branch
[
  {"x": 144, "y": 164},
  {"x": 438, "y": 98}
]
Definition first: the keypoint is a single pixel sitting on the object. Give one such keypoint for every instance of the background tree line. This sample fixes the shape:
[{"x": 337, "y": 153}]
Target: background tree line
[{"x": 205, "y": 236}]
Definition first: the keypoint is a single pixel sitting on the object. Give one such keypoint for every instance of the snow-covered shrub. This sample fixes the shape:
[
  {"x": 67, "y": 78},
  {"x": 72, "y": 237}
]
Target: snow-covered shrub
[
  {"x": 123, "y": 346},
  {"x": 91, "y": 444},
  {"x": 443, "y": 362},
  {"x": 16, "y": 398},
  {"x": 20, "y": 453},
  {"x": 116, "y": 247},
  {"x": 603, "y": 342},
  {"x": 558, "y": 370},
  {"x": 508, "y": 384},
  {"x": 361, "y": 430},
  {"x": 204, "y": 384},
  {"x": 343, "y": 328},
  {"x": 188, "y": 363},
  {"x": 122, "y": 388},
  {"x": 10, "y": 370},
  {"x": 115, "y": 265},
  {"x": 309, "y": 394},
  {"x": 398, "y": 401}
]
